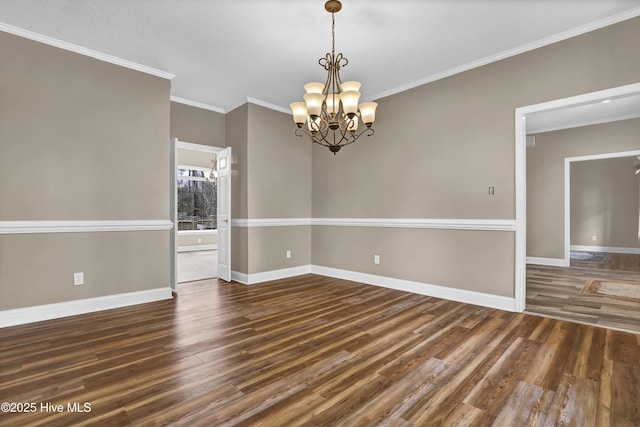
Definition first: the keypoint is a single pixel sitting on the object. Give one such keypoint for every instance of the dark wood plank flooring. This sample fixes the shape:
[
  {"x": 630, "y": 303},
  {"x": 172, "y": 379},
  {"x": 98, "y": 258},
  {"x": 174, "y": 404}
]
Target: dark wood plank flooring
[
  {"x": 618, "y": 262},
  {"x": 316, "y": 351},
  {"x": 557, "y": 292}
]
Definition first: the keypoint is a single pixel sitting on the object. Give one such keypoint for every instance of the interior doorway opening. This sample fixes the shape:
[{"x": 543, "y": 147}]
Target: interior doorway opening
[
  {"x": 523, "y": 118},
  {"x": 195, "y": 206},
  {"x": 551, "y": 265}
]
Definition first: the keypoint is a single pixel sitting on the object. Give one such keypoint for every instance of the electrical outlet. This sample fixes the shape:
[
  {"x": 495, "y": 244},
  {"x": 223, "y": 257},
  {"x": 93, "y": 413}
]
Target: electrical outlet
[
  {"x": 78, "y": 279},
  {"x": 594, "y": 238},
  {"x": 288, "y": 254},
  {"x": 199, "y": 240},
  {"x": 376, "y": 259}
]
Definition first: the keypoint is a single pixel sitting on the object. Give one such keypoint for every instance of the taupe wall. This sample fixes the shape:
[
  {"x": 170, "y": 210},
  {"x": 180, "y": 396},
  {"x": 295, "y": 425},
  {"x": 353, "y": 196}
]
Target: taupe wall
[
  {"x": 81, "y": 139},
  {"x": 197, "y": 125},
  {"x": 407, "y": 254},
  {"x": 439, "y": 146},
  {"x": 279, "y": 168},
  {"x": 236, "y": 138},
  {"x": 604, "y": 203},
  {"x": 279, "y": 177},
  {"x": 37, "y": 269},
  {"x": 545, "y": 177}
]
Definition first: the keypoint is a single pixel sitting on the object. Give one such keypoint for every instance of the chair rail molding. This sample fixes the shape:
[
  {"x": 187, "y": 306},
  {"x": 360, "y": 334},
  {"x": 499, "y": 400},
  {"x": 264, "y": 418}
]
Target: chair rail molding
[
  {"x": 435, "y": 223},
  {"x": 31, "y": 227}
]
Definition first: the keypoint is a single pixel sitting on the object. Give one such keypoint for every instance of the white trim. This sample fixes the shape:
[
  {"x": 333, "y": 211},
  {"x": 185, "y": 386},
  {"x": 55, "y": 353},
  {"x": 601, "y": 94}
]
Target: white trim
[
  {"x": 269, "y": 105},
  {"x": 30, "y": 227},
  {"x": 585, "y": 123},
  {"x": 255, "y": 101},
  {"x": 631, "y": 13},
  {"x": 196, "y": 104},
  {"x": 236, "y": 105},
  {"x": 196, "y": 232},
  {"x": 553, "y": 262},
  {"x": 39, "y": 313},
  {"x": 270, "y": 222},
  {"x": 453, "y": 294},
  {"x": 437, "y": 223},
  {"x": 520, "y": 266},
  {"x": 433, "y": 223},
  {"x": 521, "y": 166},
  {"x": 567, "y": 210},
  {"x": 602, "y": 156},
  {"x": 266, "y": 276},
  {"x": 195, "y": 248},
  {"x": 584, "y": 98},
  {"x": 239, "y": 277},
  {"x": 197, "y": 147},
  {"x": 84, "y": 51},
  {"x": 612, "y": 249}
]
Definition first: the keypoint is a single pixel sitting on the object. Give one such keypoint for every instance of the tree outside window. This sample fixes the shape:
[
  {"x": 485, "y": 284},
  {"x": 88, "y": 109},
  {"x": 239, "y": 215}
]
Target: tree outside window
[{"x": 197, "y": 199}]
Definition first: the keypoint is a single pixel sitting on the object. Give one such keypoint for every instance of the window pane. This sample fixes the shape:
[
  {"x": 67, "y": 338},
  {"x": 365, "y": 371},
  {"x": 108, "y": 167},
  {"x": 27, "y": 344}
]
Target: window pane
[{"x": 196, "y": 201}]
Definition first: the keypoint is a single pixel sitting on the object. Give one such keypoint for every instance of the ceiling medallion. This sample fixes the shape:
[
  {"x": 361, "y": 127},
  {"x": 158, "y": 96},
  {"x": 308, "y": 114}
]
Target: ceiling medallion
[{"x": 330, "y": 111}]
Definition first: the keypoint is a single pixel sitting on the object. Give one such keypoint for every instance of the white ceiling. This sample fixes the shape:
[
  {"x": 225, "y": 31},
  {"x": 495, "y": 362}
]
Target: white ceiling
[{"x": 223, "y": 52}]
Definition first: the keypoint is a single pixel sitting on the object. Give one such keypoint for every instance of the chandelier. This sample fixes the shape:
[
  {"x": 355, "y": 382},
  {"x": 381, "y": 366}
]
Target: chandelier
[{"x": 330, "y": 111}]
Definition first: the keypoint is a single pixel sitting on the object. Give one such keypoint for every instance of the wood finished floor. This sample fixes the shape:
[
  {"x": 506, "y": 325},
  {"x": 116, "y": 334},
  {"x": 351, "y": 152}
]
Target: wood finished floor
[
  {"x": 317, "y": 351},
  {"x": 557, "y": 292},
  {"x": 618, "y": 262}
]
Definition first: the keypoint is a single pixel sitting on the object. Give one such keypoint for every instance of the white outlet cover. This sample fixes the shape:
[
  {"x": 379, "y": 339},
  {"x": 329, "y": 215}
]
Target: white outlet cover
[{"x": 78, "y": 279}]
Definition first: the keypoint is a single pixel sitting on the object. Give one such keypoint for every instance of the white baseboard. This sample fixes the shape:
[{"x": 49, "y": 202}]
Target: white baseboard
[
  {"x": 38, "y": 313},
  {"x": 612, "y": 249},
  {"x": 265, "y": 276},
  {"x": 70, "y": 308},
  {"x": 459, "y": 295},
  {"x": 552, "y": 262},
  {"x": 195, "y": 248}
]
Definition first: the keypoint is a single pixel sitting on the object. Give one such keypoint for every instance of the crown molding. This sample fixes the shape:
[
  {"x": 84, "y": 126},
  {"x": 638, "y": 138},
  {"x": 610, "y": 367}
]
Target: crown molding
[
  {"x": 84, "y": 51},
  {"x": 583, "y": 29},
  {"x": 197, "y": 104},
  {"x": 255, "y": 101},
  {"x": 268, "y": 105}
]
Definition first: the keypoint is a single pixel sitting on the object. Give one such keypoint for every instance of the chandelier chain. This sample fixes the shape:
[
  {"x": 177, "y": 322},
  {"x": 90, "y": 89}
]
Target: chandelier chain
[{"x": 333, "y": 34}]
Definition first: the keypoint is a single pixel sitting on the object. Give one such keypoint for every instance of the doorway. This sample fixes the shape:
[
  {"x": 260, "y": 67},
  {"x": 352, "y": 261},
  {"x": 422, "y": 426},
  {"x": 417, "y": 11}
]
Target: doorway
[
  {"x": 554, "y": 267},
  {"x": 194, "y": 212}
]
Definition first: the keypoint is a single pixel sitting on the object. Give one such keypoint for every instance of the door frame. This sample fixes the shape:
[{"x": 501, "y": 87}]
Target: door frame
[
  {"x": 223, "y": 209},
  {"x": 567, "y": 192},
  {"x": 520, "y": 291},
  {"x": 173, "y": 200}
]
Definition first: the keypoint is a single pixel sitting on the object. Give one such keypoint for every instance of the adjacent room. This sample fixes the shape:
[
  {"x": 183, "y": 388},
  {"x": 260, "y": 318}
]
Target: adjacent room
[
  {"x": 583, "y": 212},
  {"x": 210, "y": 216}
]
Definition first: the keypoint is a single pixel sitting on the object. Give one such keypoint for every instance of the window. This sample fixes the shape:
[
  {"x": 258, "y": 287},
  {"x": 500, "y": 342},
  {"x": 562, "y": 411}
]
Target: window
[{"x": 197, "y": 198}]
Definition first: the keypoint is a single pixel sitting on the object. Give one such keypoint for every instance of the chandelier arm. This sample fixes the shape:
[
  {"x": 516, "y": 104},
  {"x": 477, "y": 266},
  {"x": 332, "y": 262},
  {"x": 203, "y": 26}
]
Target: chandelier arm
[{"x": 367, "y": 132}]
